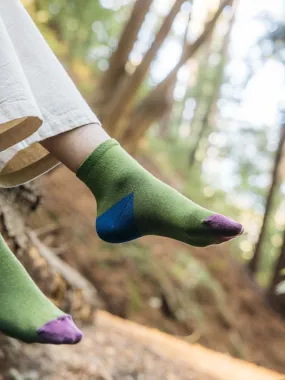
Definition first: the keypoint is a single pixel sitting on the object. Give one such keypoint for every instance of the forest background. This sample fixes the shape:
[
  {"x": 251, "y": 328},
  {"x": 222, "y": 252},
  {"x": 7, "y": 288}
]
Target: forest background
[{"x": 195, "y": 90}]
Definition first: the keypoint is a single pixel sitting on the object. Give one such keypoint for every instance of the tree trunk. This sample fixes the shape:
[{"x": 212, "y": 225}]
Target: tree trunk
[
  {"x": 254, "y": 262},
  {"x": 117, "y": 63},
  {"x": 126, "y": 93},
  {"x": 157, "y": 102},
  {"x": 192, "y": 48},
  {"x": 56, "y": 279},
  {"x": 217, "y": 82},
  {"x": 275, "y": 300},
  {"x": 196, "y": 123},
  {"x": 165, "y": 126},
  {"x": 151, "y": 109}
]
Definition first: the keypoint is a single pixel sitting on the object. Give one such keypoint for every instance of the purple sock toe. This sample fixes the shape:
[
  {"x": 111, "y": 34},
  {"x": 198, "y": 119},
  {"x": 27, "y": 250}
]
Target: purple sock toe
[
  {"x": 60, "y": 331},
  {"x": 223, "y": 227}
]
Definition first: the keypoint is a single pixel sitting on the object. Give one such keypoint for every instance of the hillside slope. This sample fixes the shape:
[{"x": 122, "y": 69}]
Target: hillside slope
[
  {"x": 121, "y": 350},
  {"x": 201, "y": 294}
]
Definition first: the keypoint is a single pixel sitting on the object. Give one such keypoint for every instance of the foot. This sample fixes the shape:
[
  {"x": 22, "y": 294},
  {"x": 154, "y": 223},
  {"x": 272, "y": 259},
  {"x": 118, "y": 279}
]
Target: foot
[
  {"x": 132, "y": 203},
  {"x": 25, "y": 313}
]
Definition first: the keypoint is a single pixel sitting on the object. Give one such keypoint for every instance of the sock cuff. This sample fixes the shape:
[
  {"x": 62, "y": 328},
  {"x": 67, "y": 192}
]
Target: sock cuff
[{"x": 84, "y": 170}]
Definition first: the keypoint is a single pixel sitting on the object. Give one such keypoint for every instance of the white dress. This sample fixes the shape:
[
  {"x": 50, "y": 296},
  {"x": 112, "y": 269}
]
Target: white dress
[{"x": 37, "y": 98}]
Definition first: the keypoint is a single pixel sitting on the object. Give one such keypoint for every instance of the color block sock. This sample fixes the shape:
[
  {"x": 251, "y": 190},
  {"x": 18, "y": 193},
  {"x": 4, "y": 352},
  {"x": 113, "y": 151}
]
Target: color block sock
[
  {"x": 25, "y": 313},
  {"x": 132, "y": 203}
]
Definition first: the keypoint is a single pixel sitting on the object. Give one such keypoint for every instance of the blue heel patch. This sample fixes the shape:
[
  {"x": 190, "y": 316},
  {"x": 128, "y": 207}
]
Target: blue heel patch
[{"x": 117, "y": 225}]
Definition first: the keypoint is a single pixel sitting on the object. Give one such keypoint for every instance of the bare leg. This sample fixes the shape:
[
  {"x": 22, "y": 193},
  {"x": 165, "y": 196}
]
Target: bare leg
[{"x": 73, "y": 147}]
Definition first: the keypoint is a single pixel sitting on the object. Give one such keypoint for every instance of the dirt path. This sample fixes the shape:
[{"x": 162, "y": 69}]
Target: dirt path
[
  {"x": 199, "y": 359},
  {"x": 117, "y": 349}
]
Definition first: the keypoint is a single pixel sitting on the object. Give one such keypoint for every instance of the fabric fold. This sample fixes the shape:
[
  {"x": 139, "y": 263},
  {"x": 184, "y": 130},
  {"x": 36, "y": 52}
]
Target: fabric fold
[
  {"x": 19, "y": 114},
  {"x": 38, "y": 99}
]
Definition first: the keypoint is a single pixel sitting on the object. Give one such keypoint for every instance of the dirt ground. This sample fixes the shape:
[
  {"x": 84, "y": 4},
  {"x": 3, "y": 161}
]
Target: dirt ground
[
  {"x": 121, "y": 350},
  {"x": 250, "y": 331}
]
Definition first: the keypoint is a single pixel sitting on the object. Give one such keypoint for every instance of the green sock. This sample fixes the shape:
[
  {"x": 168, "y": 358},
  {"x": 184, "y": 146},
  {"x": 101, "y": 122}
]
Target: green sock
[
  {"x": 132, "y": 203},
  {"x": 25, "y": 313}
]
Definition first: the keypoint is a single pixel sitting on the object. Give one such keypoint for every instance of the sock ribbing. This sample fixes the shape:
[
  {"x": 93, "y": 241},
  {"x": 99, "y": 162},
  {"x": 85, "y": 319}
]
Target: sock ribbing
[{"x": 88, "y": 165}]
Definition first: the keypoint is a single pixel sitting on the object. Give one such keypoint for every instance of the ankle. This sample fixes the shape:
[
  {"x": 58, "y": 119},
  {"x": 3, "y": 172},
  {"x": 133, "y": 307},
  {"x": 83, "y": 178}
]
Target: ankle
[{"x": 73, "y": 147}]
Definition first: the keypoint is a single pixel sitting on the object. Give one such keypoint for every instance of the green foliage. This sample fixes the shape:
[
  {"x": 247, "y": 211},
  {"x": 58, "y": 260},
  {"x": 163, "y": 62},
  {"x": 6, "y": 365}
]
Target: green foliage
[{"x": 90, "y": 31}]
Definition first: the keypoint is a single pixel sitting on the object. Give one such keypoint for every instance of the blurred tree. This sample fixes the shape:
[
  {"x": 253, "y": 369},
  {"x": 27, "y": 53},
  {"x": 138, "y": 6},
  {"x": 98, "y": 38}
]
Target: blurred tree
[
  {"x": 254, "y": 262},
  {"x": 159, "y": 100},
  {"x": 116, "y": 72},
  {"x": 276, "y": 300},
  {"x": 165, "y": 125},
  {"x": 124, "y": 92},
  {"x": 210, "y": 97},
  {"x": 197, "y": 92}
]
